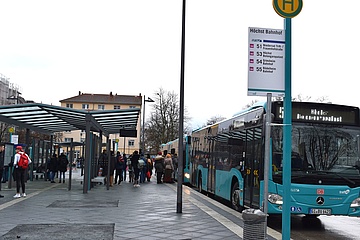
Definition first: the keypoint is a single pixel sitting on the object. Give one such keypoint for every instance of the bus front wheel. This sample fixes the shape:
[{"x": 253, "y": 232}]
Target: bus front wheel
[{"x": 235, "y": 201}]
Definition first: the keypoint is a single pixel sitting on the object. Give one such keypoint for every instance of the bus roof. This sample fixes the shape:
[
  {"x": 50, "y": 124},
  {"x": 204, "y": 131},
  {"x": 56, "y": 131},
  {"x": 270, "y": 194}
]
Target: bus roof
[{"x": 256, "y": 105}]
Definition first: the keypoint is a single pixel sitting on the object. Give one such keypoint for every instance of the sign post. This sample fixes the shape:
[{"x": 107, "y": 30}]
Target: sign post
[
  {"x": 287, "y": 9},
  {"x": 266, "y": 77},
  {"x": 266, "y": 62}
]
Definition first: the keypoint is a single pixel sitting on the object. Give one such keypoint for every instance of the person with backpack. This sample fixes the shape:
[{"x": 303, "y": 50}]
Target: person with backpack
[
  {"x": 21, "y": 164},
  {"x": 135, "y": 165},
  {"x": 142, "y": 168},
  {"x": 62, "y": 167}
]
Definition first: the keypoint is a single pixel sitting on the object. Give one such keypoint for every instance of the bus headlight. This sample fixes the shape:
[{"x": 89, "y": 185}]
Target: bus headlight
[
  {"x": 275, "y": 199},
  {"x": 187, "y": 175},
  {"x": 355, "y": 203}
]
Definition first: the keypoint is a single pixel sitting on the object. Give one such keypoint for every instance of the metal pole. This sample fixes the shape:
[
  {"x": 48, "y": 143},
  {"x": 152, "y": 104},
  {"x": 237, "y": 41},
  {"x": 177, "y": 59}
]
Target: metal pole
[
  {"x": 108, "y": 142},
  {"x": 287, "y": 135},
  {"x": 143, "y": 130},
  {"x": 87, "y": 157},
  {"x": 181, "y": 117},
  {"x": 10, "y": 169},
  {"x": 267, "y": 157},
  {"x": 124, "y": 144},
  {"x": 43, "y": 160},
  {"x": 71, "y": 161}
]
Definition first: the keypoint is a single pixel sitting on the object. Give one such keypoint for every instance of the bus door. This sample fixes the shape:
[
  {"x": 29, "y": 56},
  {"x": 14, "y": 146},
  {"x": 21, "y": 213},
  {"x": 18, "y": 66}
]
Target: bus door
[
  {"x": 252, "y": 163},
  {"x": 194, "y": 161},
  {"x": 211, "y": 167}
]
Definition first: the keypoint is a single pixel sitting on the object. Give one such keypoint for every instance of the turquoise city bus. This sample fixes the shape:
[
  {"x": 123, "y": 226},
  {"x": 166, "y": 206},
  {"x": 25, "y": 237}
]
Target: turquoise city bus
[
  {"x": 227, "y": 159},
  {"x": 172, "y": 148}
]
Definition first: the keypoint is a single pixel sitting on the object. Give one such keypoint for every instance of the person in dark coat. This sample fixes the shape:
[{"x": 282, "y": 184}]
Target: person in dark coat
[
  {"x": 62, "y": 166},
  {"x": 53, "y": 167},
  {"x": 119, "y": 166},
  {"x": 159, "y": 167},
  {"x": 112, "y": 168},
  {"x": 124, "y": 166},
  {"x": 135, "y": 165},
  {"x": 103, "y": 163}
]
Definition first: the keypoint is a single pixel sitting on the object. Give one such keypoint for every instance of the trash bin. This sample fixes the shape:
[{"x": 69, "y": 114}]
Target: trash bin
[{"x": 254, "y": 224}]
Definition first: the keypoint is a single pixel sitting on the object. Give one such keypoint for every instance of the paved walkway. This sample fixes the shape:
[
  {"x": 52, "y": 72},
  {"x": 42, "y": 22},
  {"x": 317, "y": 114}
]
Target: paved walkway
[{"x": 51, "y": 211}]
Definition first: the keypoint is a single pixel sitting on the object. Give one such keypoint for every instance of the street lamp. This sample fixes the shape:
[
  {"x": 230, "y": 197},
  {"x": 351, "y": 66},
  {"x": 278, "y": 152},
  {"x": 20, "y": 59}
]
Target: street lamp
[{"x": 143, "y": 125}]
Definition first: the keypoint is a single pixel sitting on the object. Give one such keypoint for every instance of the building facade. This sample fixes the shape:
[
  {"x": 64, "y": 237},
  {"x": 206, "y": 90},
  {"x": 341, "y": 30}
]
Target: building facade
[
  {"x": 96, "y": 102},
  {"x": 9, "y": 92}
]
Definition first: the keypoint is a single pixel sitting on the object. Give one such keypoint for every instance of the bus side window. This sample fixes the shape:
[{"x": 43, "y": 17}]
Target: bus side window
[{"x": 277, "y": 161}]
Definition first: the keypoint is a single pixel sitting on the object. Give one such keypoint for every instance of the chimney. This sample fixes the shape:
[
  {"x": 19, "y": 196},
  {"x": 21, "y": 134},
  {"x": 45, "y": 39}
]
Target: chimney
[
  {"x": 110, "y": 93},
  {"x": 79, "y": 93}
]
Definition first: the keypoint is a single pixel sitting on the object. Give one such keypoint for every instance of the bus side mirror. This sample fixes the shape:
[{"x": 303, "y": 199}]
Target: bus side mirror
[{"x": 357, "y": 165}]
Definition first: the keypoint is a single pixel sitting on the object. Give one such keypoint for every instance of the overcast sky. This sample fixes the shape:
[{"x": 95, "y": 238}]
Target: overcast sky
[{"x": 54, "y": 49}]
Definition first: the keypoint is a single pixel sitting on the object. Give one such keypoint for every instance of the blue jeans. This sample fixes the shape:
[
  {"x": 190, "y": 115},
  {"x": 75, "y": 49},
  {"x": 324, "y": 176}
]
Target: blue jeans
[
  {"x": 142, "y": 175},
  {"x": 52, "y": 176},
  {"x": 5, "y": 174},
  {"x": 124, "y": 172}
]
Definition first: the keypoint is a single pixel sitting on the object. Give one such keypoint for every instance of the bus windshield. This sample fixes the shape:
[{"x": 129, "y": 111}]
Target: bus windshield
[{"x": 318, "y": 150}]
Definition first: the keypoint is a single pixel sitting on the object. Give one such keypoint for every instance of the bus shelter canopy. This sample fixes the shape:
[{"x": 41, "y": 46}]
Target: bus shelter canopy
[{"x": 49, "y": 119}]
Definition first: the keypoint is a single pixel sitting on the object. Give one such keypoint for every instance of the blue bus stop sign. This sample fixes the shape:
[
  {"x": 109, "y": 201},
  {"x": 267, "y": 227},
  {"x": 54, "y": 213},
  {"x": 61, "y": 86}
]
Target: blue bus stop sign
[{"x": 287, "y": 8}]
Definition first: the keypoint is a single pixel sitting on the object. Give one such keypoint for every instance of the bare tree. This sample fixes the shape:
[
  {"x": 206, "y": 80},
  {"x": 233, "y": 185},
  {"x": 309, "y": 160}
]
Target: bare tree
[
  {"x": 323, "y": 99},
  {"x": 301, "y": 98},
  {"x": 250, "y": 104},
  {"x": 163, "y": 124},
  {"x": 214, "y": 119},
  {"x": 4, "y": 132},
  {"x": 58, "y": 136}
]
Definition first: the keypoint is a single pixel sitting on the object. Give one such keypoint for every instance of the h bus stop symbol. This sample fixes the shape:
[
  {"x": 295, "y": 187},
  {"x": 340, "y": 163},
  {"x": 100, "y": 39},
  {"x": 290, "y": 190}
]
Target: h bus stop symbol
[{"x": 287, "y": 8}]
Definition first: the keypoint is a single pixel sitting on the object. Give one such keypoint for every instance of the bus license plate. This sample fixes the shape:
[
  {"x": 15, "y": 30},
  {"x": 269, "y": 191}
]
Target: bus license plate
[{"x": 321, "y": 211}]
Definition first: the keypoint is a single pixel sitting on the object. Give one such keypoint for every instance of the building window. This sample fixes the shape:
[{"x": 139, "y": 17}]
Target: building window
[
  {"x": 116, "y": 106},
  {"x": 132, "y": 106},
  {"x": 131, "y": 143},
  {"x": 101, "y": 107},
  {"x": 68, "y": 139},
  {"x": 69, "y": 105},
  {"x": 85, "y": 106}
]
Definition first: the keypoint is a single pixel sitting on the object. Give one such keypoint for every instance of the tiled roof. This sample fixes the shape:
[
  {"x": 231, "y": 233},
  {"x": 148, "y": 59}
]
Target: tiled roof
[{"x": 105, "y": 99}]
